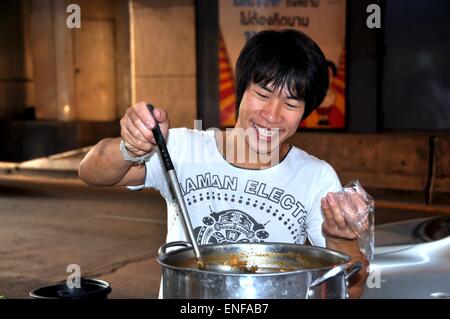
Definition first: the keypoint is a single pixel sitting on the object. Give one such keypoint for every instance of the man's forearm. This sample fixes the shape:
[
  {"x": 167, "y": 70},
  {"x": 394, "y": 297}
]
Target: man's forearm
[
  {"x": 351, "y": 248},
  {"x": 103, "y": 165}
]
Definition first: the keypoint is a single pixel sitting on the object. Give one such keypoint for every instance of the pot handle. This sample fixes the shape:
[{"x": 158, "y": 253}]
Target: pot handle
[
  {"x": 357, "y": 266},
  {"x": 329, "y": 274},
  {"x": 354, "y": 268},
  {"x": 163, "y": 249}
]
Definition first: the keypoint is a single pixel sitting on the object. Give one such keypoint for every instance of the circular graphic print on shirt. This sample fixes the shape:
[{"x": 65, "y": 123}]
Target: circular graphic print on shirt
[{"x": 230, "y": 226}]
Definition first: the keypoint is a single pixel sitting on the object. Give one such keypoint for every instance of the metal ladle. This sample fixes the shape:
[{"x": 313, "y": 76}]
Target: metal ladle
[{"x": 173, "y": 182}]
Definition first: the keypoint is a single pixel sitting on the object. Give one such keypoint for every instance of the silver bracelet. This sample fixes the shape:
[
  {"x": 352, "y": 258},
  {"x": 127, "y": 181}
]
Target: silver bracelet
[{"x": 127, "y": 157}]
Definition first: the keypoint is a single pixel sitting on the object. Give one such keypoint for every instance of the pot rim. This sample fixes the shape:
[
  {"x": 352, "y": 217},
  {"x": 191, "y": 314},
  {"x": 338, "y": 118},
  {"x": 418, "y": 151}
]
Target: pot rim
[{"x": 346, "y": 259}]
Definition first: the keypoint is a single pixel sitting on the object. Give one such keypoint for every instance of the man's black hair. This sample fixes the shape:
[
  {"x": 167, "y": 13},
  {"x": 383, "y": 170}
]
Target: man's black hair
[{"x": 286, "y": 58}]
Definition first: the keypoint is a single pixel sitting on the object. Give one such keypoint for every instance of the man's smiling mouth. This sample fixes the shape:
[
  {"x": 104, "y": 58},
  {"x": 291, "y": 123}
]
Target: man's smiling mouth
[{"x": 264, "y": 131}]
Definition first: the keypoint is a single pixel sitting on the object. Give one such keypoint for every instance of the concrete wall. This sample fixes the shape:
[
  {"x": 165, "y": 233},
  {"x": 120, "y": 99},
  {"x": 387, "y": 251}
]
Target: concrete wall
[
  {"x": 65, "y": 74},
  {"x": 16, "y": 67},
  {"x": 440, "y": 186},
  {"x": 377, "y": 160},
  {"x": 164, "y": 57},
  {"x": 32, "y": 139}
]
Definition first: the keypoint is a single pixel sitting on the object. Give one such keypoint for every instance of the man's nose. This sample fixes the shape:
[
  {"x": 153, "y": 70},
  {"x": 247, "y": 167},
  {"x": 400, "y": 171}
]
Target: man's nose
[{"x": 272, "y": 111}]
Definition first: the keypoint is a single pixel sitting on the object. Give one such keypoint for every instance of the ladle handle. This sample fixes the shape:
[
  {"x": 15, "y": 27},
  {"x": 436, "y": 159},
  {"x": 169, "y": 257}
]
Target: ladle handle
[
  {"x": 173, "y": 181},
  {"x": 159, "y": 138}
]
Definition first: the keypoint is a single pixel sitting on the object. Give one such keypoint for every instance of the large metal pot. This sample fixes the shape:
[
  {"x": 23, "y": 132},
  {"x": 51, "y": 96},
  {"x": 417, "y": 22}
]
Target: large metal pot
[{"x": 272, "y": 271}]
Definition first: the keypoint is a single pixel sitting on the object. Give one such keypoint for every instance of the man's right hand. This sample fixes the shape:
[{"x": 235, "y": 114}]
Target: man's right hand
[{"x": 136, "y": 128}]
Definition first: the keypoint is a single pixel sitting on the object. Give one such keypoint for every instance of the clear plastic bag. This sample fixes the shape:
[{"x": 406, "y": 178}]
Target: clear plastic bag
[{"x": 358, "y": 208}]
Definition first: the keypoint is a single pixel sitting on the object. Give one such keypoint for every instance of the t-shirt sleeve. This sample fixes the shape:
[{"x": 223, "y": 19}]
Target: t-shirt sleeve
[
  {"x": 155, "y": 173},
  {"x": 328, "y": 181}
]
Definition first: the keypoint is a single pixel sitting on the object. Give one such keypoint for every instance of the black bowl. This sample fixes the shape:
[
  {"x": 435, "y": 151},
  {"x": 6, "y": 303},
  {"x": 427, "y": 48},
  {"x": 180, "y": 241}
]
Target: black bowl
[{"x": 89, "y": 289}]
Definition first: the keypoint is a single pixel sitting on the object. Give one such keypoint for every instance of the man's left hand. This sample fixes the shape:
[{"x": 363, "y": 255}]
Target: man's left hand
[
  {"x": 335, "y": 225},
  {"x": 340, "y": 236}
]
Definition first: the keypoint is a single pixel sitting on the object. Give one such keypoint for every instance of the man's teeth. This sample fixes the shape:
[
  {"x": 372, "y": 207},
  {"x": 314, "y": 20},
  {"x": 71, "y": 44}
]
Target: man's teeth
[{"x": 265, "y": 132}]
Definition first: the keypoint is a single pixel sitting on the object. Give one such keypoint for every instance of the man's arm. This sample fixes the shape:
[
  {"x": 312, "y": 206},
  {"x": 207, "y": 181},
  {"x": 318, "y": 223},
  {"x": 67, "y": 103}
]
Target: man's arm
[
  {"x": 104, "y": 164},
  {"x": 339, "y": 236}
]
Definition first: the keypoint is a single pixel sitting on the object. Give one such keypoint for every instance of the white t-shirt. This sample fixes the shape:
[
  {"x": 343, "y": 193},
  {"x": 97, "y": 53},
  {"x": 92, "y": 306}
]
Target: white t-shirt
[{"x": 231, "y": 204}]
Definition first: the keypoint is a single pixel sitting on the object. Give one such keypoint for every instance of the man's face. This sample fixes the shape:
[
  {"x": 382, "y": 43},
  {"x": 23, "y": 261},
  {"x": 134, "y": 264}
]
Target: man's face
[{"x": 274, "y": 115}]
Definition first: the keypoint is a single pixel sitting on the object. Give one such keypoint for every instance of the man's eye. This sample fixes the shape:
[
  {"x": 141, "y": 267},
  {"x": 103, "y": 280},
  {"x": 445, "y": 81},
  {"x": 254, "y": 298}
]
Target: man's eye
[
  {"x": 262, "y": 95},
  {"x": 292, "y": 106}
]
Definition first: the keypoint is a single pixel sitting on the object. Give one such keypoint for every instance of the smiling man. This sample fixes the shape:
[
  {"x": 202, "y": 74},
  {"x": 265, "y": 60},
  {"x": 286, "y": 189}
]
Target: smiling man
[{"x": 246, "y": 184}]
